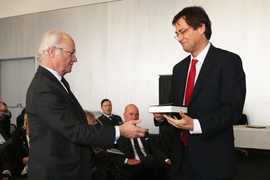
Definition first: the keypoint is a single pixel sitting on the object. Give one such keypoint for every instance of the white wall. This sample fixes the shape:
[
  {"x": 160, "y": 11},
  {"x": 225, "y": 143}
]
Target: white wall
[
  {"x": 18, "y": 7},
  {"x": 123, "y": 46}
]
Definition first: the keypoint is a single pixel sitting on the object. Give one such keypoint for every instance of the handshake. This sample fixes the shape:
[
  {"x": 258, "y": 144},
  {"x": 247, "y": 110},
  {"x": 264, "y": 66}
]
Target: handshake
[{"x": 130, "y": 130}]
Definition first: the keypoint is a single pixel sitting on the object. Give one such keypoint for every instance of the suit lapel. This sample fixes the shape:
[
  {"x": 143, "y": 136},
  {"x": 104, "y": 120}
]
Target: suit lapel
[
  {"x": 205, "y": 70},
  {"x": 178, "y": 82},
  {"x": 74, "y": 103},
  {"x": 48, "y": 74}
]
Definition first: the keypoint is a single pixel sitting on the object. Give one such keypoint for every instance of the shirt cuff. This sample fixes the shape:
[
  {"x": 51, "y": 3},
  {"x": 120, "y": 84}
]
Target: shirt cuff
[
  {"x": 117, "y": 133},
  {"x": 196, "y": 127},
  {"x": 126, "y": 160}
]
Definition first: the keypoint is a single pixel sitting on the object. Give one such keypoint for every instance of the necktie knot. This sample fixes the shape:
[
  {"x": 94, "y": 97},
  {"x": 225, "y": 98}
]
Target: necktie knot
[
  {"x": 194, "y": 62},
  {"x": 64, "y": 81}
]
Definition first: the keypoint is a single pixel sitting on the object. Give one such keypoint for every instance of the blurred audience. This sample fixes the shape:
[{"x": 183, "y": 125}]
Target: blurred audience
[
  {"x": 20, "y": 149},
  {"x": 20, "y": 119},
  {"x": 5, "y": 116},
  {"x": 107, "y": 118},
  {"x": 90, "y": 117}
]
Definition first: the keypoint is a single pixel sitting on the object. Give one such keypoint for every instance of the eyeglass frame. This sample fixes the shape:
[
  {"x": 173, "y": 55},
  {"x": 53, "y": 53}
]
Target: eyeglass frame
[
  {"x": 72, "y": 53},
  {"x": 181, "y": 33}
]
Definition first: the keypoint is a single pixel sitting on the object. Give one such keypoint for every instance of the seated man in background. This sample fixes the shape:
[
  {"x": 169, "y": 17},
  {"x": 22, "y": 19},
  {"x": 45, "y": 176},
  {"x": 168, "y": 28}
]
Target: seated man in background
[
  {"x": 20, "y": 119},
  {"x": 5, "y": 116},
  {"x": 90, "y": 117},
  {"x": 96, "y": 172},
  {"x": 3, "y": 135},
  {"x": 20, "y": 149},
  {"x": 5, "y": 166},
  {"x": 141, "y": 158},
  {"x": 107, "y": 118}
]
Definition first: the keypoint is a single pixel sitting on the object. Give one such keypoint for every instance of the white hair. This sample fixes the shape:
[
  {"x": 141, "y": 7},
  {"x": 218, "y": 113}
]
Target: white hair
[{"x": 50, "y": 38}]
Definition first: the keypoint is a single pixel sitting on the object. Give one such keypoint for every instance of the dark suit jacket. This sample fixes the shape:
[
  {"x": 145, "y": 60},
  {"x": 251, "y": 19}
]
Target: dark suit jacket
[
  {"x": 20, "y": 119},
  {"x": 3, "y": 133},
  {"x": 105, "y": 121},
  {"x": 217, "y": 102},
  {"x": 59, "y": 133},
  {"x": 125, "y": 146},
  {"x": 5, "y": 123},
  {"x": 20, "y": 149}
]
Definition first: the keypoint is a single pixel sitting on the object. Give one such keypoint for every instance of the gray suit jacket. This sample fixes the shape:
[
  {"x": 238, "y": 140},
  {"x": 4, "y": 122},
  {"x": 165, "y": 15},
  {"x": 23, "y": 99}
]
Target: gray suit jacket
[{"x": 59, "y": 133}]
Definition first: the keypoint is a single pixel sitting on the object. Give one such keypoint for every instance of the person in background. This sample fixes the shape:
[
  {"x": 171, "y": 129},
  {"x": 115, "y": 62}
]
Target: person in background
[
  {"x": 60, "y": 135},
  {"x": 5, "y": 116},
  {"x": 147, "y": 162},
  {"x": 20, "y": 119},
  {"x": 96, "y": 172},
  {"x": 90, "y": 117},
  {"x": 211, "y": 83},
  {"x": 107, "y": 118},
  {"x": 3, "y": 136},
  {"x": 20, "y": 149}
]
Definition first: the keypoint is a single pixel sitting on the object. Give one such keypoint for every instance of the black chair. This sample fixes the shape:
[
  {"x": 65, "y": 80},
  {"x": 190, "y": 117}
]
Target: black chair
[{"x": 13, "y": 127}]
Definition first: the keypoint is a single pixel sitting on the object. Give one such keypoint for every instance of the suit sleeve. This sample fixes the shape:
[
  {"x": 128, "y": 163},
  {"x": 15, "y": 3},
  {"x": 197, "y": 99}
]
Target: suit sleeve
[
  {"x": 222, "y": 96},
  {"x": 57, "y": 111}
]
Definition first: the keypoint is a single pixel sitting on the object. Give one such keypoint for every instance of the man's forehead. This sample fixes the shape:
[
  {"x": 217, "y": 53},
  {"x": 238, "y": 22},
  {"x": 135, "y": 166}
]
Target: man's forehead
[{"x": 181, "y": 22}]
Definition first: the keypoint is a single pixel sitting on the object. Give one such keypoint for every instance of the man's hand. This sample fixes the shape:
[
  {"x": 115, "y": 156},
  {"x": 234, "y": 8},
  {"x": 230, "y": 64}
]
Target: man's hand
[
  {"x": 130, "y": 130},
  {"x": 133, "y": 161},
  {"x": 98, "y": 150},
  {"x": 168, "y": 161},
  {"x": 185, "y": 123}
]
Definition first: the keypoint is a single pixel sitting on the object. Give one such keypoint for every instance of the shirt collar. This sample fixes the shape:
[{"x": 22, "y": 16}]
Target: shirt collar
[
  {"x": 107, "y": 115},
  {"x": 202, "y": 54},
  {"x": 54, "y": 73}
]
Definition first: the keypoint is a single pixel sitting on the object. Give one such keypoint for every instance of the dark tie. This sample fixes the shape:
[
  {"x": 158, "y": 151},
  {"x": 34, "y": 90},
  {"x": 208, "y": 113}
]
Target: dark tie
[
  {"x": 111, "y": 118},
  {"x": 138, "y": 149},
  {"x": 189, "y": 89},
  {"x": 64, "y": 81}
]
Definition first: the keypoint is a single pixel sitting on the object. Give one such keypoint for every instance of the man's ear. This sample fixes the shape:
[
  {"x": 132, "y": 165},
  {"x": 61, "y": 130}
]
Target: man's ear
[
  {"x": 51, "y": 52},
  {"x": 202, "y": 28}
]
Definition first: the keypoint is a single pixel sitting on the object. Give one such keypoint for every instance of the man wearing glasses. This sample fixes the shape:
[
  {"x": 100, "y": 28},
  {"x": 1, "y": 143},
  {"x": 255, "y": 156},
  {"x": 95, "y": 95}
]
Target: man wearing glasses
[
  {"x": 211, "y": 83},
  {"x": 60, "y": 135}
]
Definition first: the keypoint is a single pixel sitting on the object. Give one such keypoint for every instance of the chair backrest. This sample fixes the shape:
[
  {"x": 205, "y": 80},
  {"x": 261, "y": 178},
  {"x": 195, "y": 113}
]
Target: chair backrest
[
  {"x": 12, "y": 129},
  {"x": 243, "y": 120}
]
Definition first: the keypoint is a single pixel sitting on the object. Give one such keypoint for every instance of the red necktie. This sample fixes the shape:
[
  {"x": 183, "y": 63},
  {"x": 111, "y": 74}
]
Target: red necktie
[{"x": 189, "y": 89}]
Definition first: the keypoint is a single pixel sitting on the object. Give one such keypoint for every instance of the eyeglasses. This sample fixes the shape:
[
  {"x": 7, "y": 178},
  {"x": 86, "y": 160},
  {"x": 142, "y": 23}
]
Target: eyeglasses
[
  {"x": 72, "y": 53},
  {"x": 181, "y": 33}
]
